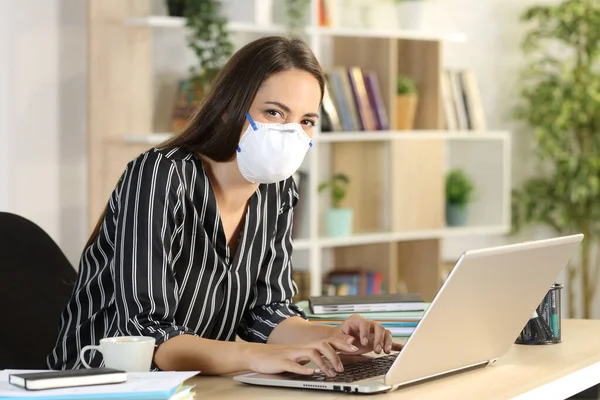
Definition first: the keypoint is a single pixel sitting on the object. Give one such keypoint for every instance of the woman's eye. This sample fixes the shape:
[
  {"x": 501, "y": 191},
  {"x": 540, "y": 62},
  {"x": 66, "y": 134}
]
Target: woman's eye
[
  {"x": 273, "y": 113},
  {"x": 308, "y": 122}
]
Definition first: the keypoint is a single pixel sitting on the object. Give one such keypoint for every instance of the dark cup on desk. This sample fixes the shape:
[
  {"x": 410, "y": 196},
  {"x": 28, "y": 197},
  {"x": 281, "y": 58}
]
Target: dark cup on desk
[{"x": 544, "y": 325}]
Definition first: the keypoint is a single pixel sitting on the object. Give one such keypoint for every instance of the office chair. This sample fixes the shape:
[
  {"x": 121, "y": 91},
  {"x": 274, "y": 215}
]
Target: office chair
[{"x": 36, "y": 281}]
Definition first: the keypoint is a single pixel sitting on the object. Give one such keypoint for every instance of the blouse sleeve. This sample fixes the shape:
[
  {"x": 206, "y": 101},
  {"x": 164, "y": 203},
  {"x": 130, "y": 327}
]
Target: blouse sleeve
[
  {"x": 275, "y": 286},
  {"x": 148, "y": 225}
]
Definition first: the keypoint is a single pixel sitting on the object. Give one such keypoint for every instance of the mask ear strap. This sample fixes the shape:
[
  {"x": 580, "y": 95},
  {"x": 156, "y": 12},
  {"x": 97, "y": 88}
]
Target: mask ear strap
[{"x": 252, "y": 124}]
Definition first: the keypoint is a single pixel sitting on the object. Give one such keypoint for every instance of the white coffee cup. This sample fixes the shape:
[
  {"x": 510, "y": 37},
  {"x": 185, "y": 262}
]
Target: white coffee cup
[{"x": 125, "y": 353}]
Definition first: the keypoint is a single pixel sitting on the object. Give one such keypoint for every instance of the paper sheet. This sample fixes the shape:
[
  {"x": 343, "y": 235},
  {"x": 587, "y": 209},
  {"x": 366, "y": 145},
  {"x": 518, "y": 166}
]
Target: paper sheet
[{"x": 146, "y": 385}]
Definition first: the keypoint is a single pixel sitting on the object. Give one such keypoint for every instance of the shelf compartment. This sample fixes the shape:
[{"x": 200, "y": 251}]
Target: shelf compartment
[
  {"x": 411, "y": 266},
  {"x": 372, "y": 257},
  {"x": 363, "y": 163},
  {"x": 416, "y": 266},
  {"x": 417, "y": 185},
  {"x": 421, "y": 61},
  {"x": 486, "y": 163}
]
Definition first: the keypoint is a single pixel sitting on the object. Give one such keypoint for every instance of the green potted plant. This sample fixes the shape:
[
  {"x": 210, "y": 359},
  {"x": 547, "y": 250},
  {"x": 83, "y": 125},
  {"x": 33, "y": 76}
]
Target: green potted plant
[
  {"x": 209, "y": 39},
  {"x": 406, "y": 103},
  {"x": 296, "y": 13},
  {"x": 338, "y": 220},
  {"x": 459, "y": 193},
  {"x": 560, "y": 109}
]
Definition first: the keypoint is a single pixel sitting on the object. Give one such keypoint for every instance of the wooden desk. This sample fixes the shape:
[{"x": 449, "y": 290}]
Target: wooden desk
[{"x": 525, "y": 372}]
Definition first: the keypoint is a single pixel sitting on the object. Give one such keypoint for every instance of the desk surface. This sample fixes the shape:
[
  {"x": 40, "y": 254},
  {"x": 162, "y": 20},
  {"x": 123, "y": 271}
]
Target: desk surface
[{"x": 525, "y": 372}]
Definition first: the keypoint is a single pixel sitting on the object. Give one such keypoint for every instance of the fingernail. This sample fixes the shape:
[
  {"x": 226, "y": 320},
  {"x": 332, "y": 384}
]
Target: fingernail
[
  {"x": 331, "y": 373},
  {"x": 353, "y": 348},
  {"x": 350, "y": 340},
  {"x": 378, "y": 349},
  {"x": 388, "y": 347},
  {"x": 340, "y": 368},
  {"x": 365, "y": 341}
]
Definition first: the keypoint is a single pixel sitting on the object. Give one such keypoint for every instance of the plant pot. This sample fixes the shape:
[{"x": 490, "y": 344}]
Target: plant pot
[
  {"x": 410, "y": 14},
  {"x": 263, "y": 10},
  {"x": 338, "y": 222},
  {"x": 456, "y": 214},
  {"x": 176, "y": 8},
  {"x": 406, "y": 109}
]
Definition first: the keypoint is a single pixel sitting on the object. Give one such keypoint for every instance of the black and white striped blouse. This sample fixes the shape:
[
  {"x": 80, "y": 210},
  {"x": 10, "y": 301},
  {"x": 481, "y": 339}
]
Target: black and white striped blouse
[{"x": 161, "y": 266}]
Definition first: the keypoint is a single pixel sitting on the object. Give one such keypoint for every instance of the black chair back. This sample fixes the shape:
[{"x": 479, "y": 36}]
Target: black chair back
[{"x": 36, "y": 281}]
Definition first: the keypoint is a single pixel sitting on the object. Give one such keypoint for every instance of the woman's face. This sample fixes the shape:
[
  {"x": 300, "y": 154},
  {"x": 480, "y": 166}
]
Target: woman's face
[{"x": 288, "y": 96}]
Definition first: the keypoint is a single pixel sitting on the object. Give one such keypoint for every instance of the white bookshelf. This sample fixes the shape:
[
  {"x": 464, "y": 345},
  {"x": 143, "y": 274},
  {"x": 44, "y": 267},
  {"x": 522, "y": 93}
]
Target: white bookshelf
[
  {"x": 359, "y": 136},
  {"x": 378, "y": 238},
  {"x": 242, "y": 27},
  {"x": 179, "y": 22},
  {"x": 428, "y": 151}
]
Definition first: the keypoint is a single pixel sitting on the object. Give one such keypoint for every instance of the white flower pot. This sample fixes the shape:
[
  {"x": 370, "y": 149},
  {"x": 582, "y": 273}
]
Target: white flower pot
[
  {"x": 263, "y": 12},
  {"x": 410, "y": 14}
]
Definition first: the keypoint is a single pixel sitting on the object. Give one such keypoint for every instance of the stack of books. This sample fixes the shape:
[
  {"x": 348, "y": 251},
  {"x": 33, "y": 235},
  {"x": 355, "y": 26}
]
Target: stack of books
[
  {"x": 400, "y": 313},
  {"x": 86, "y": 384}
]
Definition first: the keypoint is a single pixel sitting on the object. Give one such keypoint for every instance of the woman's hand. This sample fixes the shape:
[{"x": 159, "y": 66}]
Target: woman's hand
[
  {"x": 272, "y": 359},
  {"x": 366, "y": 334}
]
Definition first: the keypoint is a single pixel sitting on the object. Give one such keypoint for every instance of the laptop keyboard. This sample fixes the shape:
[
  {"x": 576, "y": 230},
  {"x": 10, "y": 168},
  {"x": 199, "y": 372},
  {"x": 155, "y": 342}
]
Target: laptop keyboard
[{"x": 356, "y": 371}]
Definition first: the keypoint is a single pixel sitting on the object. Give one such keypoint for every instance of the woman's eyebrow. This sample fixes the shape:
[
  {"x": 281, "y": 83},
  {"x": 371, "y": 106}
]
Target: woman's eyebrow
[{"x": 287, "y": 109}]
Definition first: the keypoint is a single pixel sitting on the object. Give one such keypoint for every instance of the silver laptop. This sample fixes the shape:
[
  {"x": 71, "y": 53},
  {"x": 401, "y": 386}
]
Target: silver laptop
[{"x": 475, "y": 317}]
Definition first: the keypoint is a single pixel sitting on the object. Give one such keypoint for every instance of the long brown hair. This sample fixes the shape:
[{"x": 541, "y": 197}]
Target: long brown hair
[{"x": 214, "y": 131}]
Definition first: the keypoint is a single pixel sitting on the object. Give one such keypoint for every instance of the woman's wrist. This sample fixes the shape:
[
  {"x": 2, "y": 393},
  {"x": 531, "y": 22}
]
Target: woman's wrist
[
  {"x": 244, "y": 352},
  {"x": 313, "y": 332},
  {"x": 296, "y": 330},
  {"x": 330, "y": 331}
]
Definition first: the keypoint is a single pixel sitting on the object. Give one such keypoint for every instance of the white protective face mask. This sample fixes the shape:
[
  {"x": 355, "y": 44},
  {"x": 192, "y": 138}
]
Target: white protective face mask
[{"x": 269, "y": 153}]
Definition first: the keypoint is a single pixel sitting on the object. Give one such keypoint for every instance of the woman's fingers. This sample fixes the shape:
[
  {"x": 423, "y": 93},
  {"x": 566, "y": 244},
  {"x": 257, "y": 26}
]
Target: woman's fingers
[
  {"x": 397, "y": 346},
  {"x": 387, "y": 342},
  {"x": 342, "y": 345},
  {"x": 364, "y": 329},
  {"x": 378, "y": 338},
  {"x": 325, "y": 348},
  {"x": 316, "y": 357},
  {"x": 294, "y": 367}
]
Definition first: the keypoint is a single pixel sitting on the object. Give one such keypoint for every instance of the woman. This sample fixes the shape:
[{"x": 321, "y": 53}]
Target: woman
[{"x": 195, "y": 244}]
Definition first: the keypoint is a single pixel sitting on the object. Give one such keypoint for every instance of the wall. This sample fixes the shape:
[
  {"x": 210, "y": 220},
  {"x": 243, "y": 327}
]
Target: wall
[
  {"x": 492, "y": 51},
  {"x": 42, "y": 116},
  {"x": 4, "y": 102}
]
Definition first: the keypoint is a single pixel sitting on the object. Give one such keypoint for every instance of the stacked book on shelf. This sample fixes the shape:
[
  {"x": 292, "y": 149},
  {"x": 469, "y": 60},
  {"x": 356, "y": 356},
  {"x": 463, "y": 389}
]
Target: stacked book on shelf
[
  {"x": 352, "y": 101},
  {"x": 353, "y": 282},
  {"x": 341, "y": 283},
  {"x": 400, "y": 313},
  {"x": 463, "y": 108}
]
